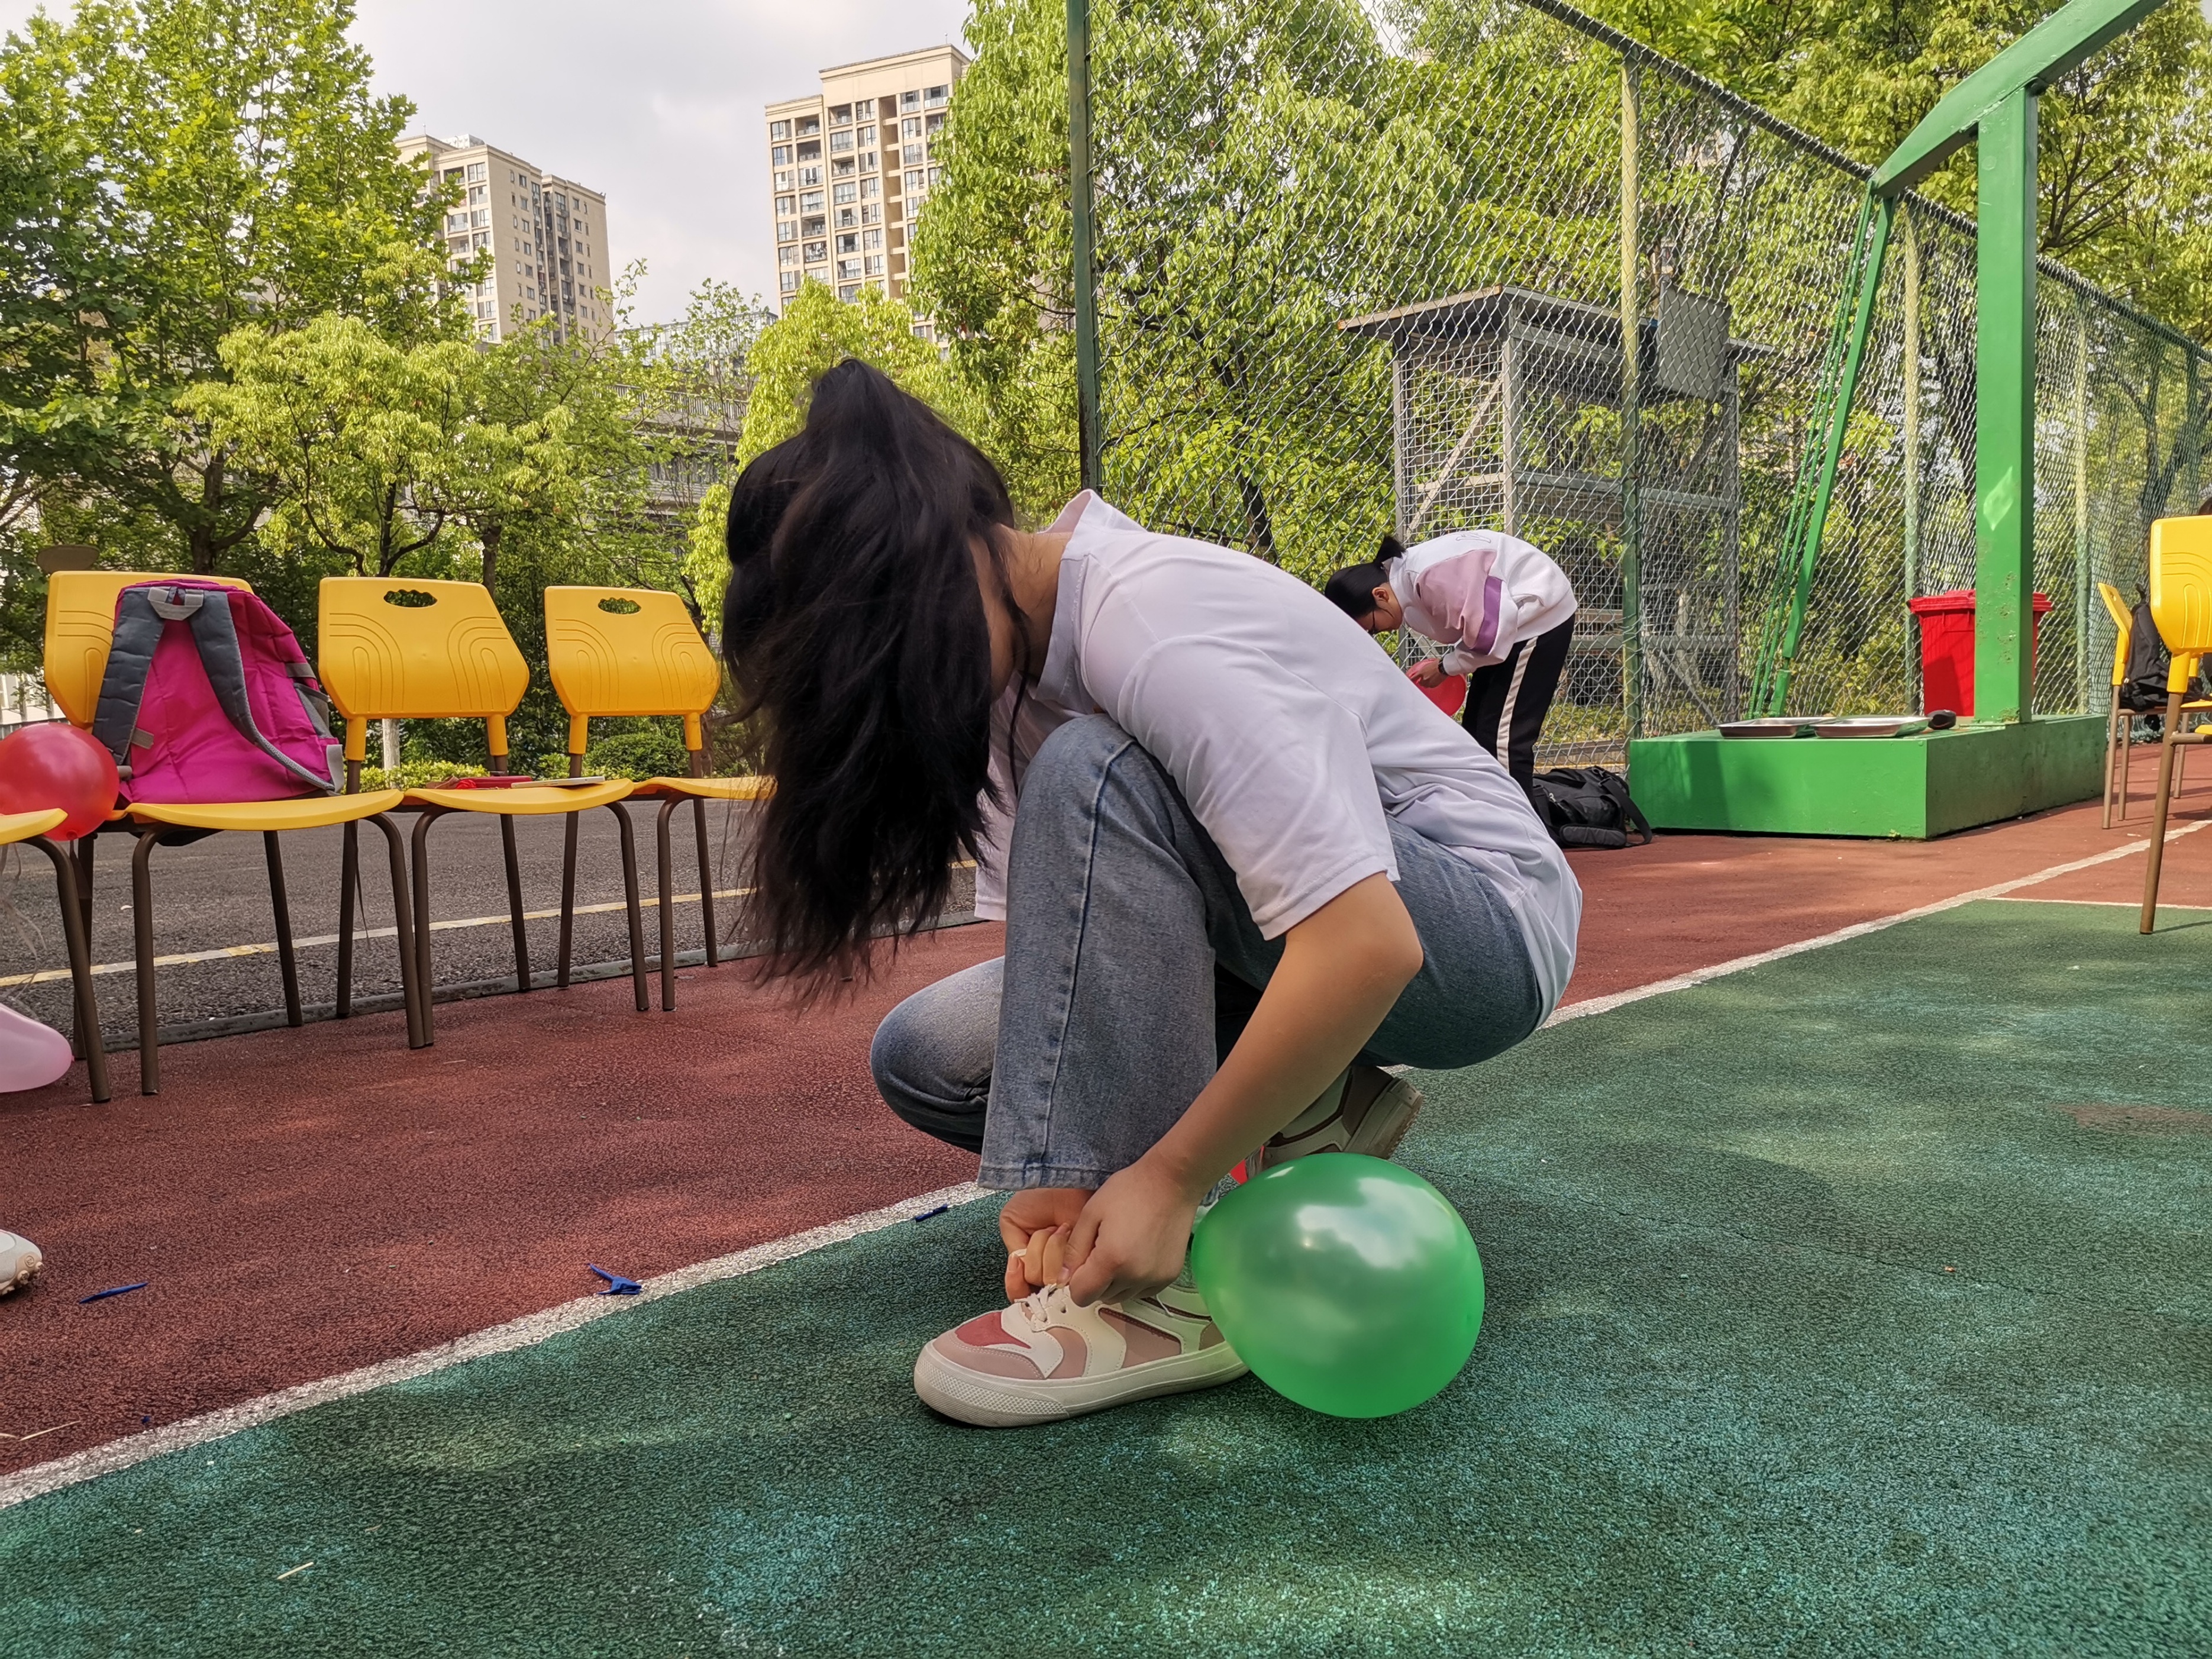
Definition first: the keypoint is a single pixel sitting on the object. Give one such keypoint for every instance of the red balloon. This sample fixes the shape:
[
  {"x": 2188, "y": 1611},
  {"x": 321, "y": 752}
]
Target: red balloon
[
  {"x": 43, "y": 767},
  {"x": 1449, "y": 694}
]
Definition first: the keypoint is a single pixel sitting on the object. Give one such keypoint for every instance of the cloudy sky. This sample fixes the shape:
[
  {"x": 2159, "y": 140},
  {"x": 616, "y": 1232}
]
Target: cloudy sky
[{"x": 656, "y": 102}]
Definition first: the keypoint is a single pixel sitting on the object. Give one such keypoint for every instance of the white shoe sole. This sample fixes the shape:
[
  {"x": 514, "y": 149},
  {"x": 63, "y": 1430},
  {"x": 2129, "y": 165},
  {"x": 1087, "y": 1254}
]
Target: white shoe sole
[
  {"x": 1005, "y": 1402},
  {"x": 20, "y": 1263}
]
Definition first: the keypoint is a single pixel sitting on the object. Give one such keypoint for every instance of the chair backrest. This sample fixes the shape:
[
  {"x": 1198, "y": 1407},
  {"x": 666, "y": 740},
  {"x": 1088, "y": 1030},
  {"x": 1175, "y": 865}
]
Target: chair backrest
[
  {"x": 391, "y": 649},
  {"x": 619, "y": 651},
  {"x": 2181, "y": 593},
  {"x": 2123, "y": 620},
  {"x": 79, "y": 628}
]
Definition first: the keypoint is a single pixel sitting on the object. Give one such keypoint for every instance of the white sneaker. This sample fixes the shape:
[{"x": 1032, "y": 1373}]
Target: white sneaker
[
  {"x": 19, "y": 1261},
  {"x": 1045, "y": 1359},
  {"x": 1365, "y": 1110}
]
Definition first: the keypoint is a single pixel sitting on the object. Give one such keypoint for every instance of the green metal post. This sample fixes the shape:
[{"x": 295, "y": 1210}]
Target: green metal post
[
  {"x": 2004, "y": 409},
  {"x": 2084, "y": 616},
  {"x": 1631, "y": 346},
  {"x": 1085, "y": 273},
  {"x": 1831, "y": 453},
  {"x": 1912, "y": 463}
]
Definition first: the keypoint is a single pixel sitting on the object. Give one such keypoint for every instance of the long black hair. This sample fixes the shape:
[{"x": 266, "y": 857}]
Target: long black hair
[
  {"x": 855, "y": 630},
  {"x": 1352, "y": 590}
]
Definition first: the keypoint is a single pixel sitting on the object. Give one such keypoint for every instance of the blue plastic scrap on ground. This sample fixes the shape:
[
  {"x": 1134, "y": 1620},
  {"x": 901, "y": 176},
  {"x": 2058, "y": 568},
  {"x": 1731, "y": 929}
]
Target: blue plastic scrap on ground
[
  {"x": 120, "y": 1290},
  {"x": 616, "y": 1285},
  {"x": 939, "y": 1210}
]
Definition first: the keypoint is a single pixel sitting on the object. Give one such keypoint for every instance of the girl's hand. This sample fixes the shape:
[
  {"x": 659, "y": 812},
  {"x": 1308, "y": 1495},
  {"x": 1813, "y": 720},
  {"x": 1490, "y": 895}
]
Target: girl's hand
[
  {"x": 1427, "y": 673},
  {"x": 1132, "y": 1236},
  {"x": 1035, "y": 1225}
]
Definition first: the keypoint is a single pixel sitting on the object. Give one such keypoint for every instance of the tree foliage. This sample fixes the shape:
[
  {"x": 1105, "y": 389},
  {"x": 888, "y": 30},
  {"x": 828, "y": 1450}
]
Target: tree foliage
[
  {"x": 816, "y": 332},
  {"x": 201, "y": 165},
  {"x": 2126, "y": 175}
]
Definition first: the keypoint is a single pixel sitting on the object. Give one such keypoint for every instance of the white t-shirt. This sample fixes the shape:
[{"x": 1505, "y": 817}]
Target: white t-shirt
[
  {"x": 1292, "y": 736},
  {"x": 1479, "y": 594}
]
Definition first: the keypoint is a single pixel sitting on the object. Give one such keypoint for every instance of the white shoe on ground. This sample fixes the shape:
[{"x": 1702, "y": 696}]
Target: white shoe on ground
[
  {"x": 1044, "y": 1358},
  {"x": 19, "y": 1261}
]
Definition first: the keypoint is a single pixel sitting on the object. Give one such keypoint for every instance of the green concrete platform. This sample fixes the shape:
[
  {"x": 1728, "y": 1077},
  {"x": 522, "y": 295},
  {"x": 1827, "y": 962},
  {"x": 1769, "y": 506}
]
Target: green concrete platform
[{"x": 1911, "y": 788}]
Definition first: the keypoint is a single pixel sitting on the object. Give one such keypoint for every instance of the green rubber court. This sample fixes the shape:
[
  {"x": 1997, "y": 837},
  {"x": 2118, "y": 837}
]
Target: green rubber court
[{"x": 1858, "y": 1303}]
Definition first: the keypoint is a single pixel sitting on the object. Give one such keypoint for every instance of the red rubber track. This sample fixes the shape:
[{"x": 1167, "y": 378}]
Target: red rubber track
[{"x": 305, "y": 1202}]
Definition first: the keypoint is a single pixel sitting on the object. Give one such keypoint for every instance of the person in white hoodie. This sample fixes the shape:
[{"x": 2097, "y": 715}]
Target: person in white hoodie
[{"x": 1504, "y": 611}]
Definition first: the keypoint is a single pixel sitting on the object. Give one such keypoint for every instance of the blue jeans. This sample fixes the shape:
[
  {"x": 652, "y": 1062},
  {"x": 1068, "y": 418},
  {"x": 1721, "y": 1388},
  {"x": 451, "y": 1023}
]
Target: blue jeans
[{"x": 1132, "y": 964}]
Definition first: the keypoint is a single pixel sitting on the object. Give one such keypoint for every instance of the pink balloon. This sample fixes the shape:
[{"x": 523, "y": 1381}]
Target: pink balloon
[{"x": 32, "y": 1055}]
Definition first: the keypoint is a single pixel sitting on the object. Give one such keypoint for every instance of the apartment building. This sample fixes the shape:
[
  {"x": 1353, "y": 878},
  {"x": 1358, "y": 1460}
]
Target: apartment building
[
  {"x": 546, "y": 234},
  {"x": 850, "y": 166}
]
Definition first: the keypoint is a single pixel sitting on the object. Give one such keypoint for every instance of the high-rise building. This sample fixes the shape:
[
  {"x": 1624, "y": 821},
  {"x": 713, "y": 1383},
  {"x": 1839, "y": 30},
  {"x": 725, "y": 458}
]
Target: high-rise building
[
  {"x": 546, "y": 234},
  {"x": 849, "y": 165}
]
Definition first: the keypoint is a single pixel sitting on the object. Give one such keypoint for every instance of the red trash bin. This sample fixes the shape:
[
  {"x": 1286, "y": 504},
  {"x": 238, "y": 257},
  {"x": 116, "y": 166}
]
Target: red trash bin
[{"x": 1946, "y": 647}]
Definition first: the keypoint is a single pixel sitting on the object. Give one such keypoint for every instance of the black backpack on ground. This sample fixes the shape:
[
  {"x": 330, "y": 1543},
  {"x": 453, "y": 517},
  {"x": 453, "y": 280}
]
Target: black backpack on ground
[
  {"x": 1587, "y": 807},
  {"x": 2143, "y": 691}
]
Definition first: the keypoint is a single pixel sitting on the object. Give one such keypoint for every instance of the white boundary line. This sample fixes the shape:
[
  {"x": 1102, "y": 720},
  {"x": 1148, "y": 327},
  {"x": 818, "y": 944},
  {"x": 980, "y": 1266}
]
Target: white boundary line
[
  {"x": 223, "y": 952},
  {"x": 534, "y": 1328},
  {"x": 2164, "y": 905},
  {"x": 524, "y": 1333},
  {"x": 1698, "y": 976}
]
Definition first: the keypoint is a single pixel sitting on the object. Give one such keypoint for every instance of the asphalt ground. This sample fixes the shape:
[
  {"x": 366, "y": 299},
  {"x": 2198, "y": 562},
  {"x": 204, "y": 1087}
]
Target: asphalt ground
[{"x": 212, "y": 896}]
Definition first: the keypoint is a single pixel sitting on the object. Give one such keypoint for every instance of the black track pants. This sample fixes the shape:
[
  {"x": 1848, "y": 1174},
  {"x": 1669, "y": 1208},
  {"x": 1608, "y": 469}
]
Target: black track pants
[{"x": 1506, "y": 702}]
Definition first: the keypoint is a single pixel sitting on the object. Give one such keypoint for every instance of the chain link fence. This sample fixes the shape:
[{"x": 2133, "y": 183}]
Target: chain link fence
[{"x": 1415, "y": 267}]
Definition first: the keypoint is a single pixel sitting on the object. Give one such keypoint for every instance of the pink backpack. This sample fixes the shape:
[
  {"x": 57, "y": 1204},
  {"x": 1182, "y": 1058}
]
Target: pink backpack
[{"x": 208, "y": 698}]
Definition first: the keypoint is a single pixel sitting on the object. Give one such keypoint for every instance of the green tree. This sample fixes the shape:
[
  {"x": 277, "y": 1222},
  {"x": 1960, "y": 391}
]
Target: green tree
[
  {"x": 359, "y": 442},
  {"x": 214, "y": 164},
  {"x": 816, "y": 332},
  {"x": 2125, "y": 173}
]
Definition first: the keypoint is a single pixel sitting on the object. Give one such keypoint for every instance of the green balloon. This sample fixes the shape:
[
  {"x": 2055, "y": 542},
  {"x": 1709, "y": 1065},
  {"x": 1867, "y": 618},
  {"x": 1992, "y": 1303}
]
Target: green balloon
[{"x": 1347, "y": 1283}]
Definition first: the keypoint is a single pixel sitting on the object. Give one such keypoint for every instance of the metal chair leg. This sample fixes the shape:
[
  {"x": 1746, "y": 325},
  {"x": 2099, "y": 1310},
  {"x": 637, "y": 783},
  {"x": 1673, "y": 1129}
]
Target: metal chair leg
[
  {"x": 424, "y": 981},
  {"x": 667, "y": 874},
  {"x": 636, "y": 918},
  {"x": 280, "y": 902},
  {"x": 2127, "y": 757},
  {"x": 410, "y": 978},
  {"x": 568, "y": 893},
  {"x": 2112, "y": 750},
  {"x": 514, "y": 904},
  {"x": 87, "y": 861},
  {"x": 2165, "y": 748},
  {"x": 89, "y": 1043},
  {"x": 348, "y": 888},
  {"x": 706, "y": 879},
  {"x": 142, "y": 922}
]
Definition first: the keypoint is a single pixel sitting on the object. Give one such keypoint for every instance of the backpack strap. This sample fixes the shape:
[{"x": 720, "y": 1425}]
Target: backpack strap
[
  {"x": 1615, "y": 789},
  {"x": 123, "y": 683},
  {"x": 214, "y": 633}
]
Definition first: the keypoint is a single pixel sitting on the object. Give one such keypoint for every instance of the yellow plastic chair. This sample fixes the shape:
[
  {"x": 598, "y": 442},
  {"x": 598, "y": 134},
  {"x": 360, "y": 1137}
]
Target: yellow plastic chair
[
  {"x": 2120, "y": 721},
  {"x": 617, "y": 652},
  {"x": 395, "y": 650},
  {"x": 79, "y": 628},
  {"x": 2181, "y": 609},
  {"x": 18, "y": 829}
]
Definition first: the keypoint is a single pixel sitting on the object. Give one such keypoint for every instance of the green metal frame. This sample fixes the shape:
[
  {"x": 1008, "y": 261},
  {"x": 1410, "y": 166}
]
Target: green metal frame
[
  {"x": 1772, "y": 676},
  {"x": 1082, "y": 210},
  {"x": 1994, "y": 107}
]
